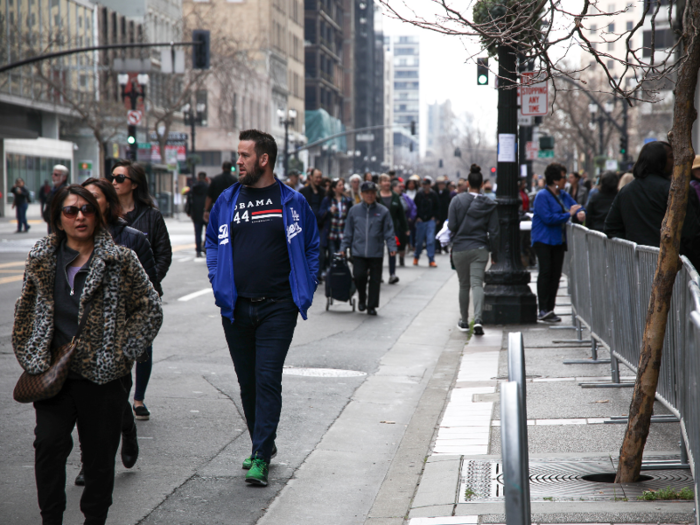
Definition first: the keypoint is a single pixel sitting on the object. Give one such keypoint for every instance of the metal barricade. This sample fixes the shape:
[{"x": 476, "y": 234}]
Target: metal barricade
[{"x": 516, "y": 483}]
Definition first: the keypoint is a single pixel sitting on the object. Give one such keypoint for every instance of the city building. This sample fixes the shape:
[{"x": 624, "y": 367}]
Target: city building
[
  {"x": 257, "y": 74},
  {"x": 439, "y": 127},
  {"x": 388, "y": 105},
  {"x": 406, "y": 78}
]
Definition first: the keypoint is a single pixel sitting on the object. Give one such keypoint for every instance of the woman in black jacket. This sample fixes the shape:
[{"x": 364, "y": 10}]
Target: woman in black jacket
[
  {"x": 599, "y": 204},
  {"x": 129, "y": 181}
]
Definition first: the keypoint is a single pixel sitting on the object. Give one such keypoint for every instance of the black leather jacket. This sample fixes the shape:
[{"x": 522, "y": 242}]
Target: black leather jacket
[
  {"x": 150, "y": 221},
  {"x": 125, "y": 235}
]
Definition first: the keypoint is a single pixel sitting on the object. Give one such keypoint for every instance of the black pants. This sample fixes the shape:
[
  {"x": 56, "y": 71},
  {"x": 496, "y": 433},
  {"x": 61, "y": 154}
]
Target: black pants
[
  {"x": 550, "y": 259},
  {"x": 258, "y": 340},
  {"x": 198, "y": 227},
  {"x": 372, "y": 266},
  {"x": 97, "y": 410}
]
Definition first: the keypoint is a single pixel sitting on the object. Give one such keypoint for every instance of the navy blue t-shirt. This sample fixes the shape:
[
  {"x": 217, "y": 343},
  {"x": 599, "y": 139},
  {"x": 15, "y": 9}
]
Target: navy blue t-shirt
[{"x": 261, "y": 265}]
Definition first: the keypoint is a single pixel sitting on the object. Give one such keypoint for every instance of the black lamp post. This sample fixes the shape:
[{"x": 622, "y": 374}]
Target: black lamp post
[
  {"x": 286, "y": 121},
  {"x": 194, "y": 115},
  {"x": 137, "y": 89},
  {"x": 507, "y": 295}
]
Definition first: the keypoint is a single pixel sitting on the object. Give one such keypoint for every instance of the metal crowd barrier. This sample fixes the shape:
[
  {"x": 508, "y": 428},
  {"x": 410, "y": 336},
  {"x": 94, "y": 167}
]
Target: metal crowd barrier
[
  {"x": 516, "y": 461},
  {"x": 610, "y": 285}
]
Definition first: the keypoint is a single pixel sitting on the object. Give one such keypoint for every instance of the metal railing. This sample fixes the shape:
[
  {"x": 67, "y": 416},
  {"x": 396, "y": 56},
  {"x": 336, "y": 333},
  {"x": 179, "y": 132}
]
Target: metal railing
[
  {"x": 610, "y": 284},
  {"x": 516, "y": 461}
]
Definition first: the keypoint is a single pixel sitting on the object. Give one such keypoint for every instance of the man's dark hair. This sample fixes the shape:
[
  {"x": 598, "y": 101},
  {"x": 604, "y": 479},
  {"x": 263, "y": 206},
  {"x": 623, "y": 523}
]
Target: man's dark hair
[
  {"x": 553, "y": 173},
  {"x": 115, "y": 208},
  {"x": 651, "y": 160},
  {"x": 264, "y": 143},
  {"x": 608, "y": 183},
  {"x": 57, "y": 208},
  {"x": 475, "y": 178},
  {"x": 202, "y": 175},
  {"x": 138, "y": 175},
  {"x": 577, "y": 175},
  {"x": 226, "y": 166}
]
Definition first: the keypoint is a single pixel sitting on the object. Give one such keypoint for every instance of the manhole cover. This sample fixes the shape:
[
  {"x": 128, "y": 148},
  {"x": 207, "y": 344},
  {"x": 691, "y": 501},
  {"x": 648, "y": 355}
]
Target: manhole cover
[
  {"x": 321, "y": 372},
  {"x": 564, "y": 481}
]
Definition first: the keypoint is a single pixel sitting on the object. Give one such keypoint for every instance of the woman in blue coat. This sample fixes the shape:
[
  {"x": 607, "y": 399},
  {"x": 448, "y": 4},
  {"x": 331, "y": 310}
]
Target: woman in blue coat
[{"x": 553, "y": 208}]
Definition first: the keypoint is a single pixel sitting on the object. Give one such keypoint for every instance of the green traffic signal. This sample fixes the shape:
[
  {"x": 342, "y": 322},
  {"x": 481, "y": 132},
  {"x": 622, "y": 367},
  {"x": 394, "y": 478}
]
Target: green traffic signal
[
  {"x": 131, "y": 139},
  {"x": 482, "y": 71},
  {"x": 483, "y": 80}
]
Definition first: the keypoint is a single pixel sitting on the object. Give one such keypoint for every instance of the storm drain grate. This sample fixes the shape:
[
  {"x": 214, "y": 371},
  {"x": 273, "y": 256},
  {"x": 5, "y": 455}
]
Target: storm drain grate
[{"x": 563, "y": 481}]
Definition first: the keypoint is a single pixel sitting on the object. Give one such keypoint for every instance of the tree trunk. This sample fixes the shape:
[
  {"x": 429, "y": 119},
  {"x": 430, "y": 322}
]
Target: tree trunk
[{"x": 684, "y": 115}]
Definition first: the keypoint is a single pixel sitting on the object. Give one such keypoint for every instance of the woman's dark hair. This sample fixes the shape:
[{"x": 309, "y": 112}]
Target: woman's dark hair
[
  {"x": 411, "y": 181},
  {"x": 57, "y": 208},
  {"x": 138, "y": 175},
  {"x": 335, "y": 182},
  {"x": 264, "y": 143},
  {"x": 553, "y": 173},
  {"x": 475, "y": 178},
  {"x": 115, "y": 208},
  {"x": 651, "y": 160},
  {"x": 608, "y": 183}
]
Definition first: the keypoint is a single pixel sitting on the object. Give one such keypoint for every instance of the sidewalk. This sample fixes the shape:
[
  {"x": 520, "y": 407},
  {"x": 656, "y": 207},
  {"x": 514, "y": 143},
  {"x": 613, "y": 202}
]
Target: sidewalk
[{"x": 568, "y": 438}]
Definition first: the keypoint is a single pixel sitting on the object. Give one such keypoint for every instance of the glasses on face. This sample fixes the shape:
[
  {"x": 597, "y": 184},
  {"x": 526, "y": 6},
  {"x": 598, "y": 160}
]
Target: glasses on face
[
  {"x": 88, "y": 210},
  {"x": 119, "y": 178}
]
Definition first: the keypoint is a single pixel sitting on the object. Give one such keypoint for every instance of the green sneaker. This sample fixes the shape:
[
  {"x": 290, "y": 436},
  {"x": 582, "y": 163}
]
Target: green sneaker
[
  {"x": 248, "y": 462},
  {"x": 257, "y": 475}
]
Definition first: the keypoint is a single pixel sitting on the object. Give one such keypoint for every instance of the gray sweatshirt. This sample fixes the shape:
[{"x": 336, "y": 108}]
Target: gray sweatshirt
[
  {"x": 367, "y": 228},
  {"x": 473, "y": 222}
]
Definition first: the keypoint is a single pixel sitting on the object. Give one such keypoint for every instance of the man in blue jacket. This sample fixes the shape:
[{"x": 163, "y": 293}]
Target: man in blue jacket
[{"x": 262, "y": 254}]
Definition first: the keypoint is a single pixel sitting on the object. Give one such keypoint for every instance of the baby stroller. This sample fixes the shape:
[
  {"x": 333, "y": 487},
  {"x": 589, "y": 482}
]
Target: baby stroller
[{"x": 340, "y": 285}]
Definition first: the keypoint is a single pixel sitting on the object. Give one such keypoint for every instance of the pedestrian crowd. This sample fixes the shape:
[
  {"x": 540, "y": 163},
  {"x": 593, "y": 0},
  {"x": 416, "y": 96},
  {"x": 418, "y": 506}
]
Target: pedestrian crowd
[{"x": 90, "y": 305}]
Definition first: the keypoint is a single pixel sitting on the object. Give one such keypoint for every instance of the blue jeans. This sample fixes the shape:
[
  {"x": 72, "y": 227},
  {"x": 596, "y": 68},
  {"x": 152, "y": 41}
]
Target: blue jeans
[
  {"x": 258, "y": 341},
  {"x": 22, "y": 217},
  {"x": 425, "y": 232},
  {"x": 143, "y": 375}
]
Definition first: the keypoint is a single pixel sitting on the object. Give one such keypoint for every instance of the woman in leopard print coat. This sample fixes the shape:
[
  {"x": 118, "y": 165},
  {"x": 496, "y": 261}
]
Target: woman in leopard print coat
[{"x": 77, "y": 265}]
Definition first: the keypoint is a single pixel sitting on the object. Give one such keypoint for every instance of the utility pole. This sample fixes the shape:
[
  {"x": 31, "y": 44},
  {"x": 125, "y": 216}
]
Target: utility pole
[
  {"x": 286, "y": 119},
  {"x": 508, "y": 298},
  {"x": 194, "y": 116}
]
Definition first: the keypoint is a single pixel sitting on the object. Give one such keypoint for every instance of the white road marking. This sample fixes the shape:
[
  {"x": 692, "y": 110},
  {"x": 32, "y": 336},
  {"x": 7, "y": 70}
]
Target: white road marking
[{"x": 195, "y": 294}]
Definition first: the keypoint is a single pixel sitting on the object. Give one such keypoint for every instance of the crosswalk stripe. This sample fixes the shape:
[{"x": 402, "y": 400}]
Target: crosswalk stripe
[{"x": 195, "y": 294}]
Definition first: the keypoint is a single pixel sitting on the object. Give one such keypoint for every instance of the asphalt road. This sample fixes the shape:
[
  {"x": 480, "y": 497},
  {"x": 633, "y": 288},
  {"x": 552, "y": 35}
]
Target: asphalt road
[{"x": 191, "y": 449}]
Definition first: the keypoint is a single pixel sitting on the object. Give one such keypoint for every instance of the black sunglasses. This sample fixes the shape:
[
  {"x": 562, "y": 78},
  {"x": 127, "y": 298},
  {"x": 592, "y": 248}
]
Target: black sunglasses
[
  {"x": 71, "y": 212},
  {"x": 119, "y": 178}
]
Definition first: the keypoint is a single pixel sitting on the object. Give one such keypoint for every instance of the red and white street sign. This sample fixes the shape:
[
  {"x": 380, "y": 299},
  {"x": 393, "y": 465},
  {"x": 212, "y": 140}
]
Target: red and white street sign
[
  {"x": 534, "y": 100},
  {"x": 133, "y": 117},
  {"x": 531, "y": 149}
]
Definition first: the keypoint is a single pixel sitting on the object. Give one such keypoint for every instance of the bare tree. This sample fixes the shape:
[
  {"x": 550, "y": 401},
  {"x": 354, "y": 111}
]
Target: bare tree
[{"x": 543, "y": 31}]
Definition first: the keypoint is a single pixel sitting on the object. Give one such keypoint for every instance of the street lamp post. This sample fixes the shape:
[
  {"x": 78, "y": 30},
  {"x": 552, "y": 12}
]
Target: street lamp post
[
  {"x": 291, "y": 117},
  {"x": 507, "y": 295},
  {"x": 136, "y": 89},
  {"x": 193, "y": 115}
]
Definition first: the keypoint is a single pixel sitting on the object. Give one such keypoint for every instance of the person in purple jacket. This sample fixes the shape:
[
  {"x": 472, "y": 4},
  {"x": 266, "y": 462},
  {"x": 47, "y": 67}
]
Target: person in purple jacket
[{"x": 553, "y": 208}]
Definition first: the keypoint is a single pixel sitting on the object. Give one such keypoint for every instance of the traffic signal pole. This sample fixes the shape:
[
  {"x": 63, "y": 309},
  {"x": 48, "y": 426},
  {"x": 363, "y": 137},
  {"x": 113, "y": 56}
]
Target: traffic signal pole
[{"x": 507, "y": 295}]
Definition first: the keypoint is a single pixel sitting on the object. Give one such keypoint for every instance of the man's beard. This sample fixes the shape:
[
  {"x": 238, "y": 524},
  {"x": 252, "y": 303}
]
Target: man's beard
[{"x": 250, "y": 179}]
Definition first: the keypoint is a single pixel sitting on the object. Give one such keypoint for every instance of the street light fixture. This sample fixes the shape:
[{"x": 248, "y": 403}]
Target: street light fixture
[
  {"x": 194, "y": 114},
  {"x": 291, "y": 115},
  {"x": 136, "y": 89}
]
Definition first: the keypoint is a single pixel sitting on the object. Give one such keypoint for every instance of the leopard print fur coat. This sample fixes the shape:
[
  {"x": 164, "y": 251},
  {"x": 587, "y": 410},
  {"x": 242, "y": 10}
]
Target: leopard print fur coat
[{"x": 125, "y": 317}]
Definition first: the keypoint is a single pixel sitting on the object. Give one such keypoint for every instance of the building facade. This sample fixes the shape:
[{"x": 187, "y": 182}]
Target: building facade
[{"x": 406, "y": 79}]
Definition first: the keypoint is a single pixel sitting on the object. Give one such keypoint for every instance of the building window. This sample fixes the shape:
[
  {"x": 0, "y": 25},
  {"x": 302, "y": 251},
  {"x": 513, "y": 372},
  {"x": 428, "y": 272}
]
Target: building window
[
  {"x": 611, "y": 27},
  {"x": 611, "y": 64},
  {"x": 630, "y": 25},
  {"x": 593, "y": 29},
  {"x": 611, "y": 46}
]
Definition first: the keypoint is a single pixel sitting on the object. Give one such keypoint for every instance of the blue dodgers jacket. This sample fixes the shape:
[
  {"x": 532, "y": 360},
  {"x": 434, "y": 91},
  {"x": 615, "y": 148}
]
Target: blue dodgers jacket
[
  {"x": 549, "y": 218},
  {"x": 302, "y": 243}
]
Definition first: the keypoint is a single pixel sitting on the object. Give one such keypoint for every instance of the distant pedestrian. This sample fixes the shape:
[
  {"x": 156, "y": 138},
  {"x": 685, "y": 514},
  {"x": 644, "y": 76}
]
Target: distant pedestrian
[
  {"x": 409, "y": 208},
  {"x": 473, "y": 221},
  {"x": 196, "y": 202},
  {"x": 59, "y": 176},
  {"x": 354, "y": 188},
  {"x": 314, "y": 194},
  {"x": 412, "y": 186},
  {"x": 638, "y": 210},
  {"x": 44, "y": 192},
  {"x": 293, "y": 180},
  {"x": 368, "y": 177},
  {"x": 488, "y": 190},
  {"x": 80, "y": 271},
  {"x": 427, "y": 213},
  {"x": 392, "y": 202},
  {"x": 140, "y": 212},
  {"x": 524, "y": 197},
  {"x": 367, "y": 228},
  {"x": 576, "y": 188},
  {"x": 625, "y": 180},
  {"x": 334, "y": 211},
  {"x": 262, "y": 254},
  {"x": 444, "y": 197},
  {"x": 218, "y": 184},
  {"x": 552, "y": 209},
  {"x": 600, "y": 202},
  {"x": 20, "y": 202}
]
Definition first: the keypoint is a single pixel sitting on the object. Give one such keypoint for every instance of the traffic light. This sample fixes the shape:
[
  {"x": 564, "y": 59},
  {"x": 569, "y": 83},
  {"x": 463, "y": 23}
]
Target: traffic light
[
  {"x": 440, "y": 164},
  {"x": 482, "y": 71},
  {"x": 413, "y": 127},
  {"x": 623, "y": 145},
  {"x": 131, "y": 138},
  {"x": 200, "y": 51},
  {"x": 546, "y": 142},
  {"x": 493, "y": 170}
]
